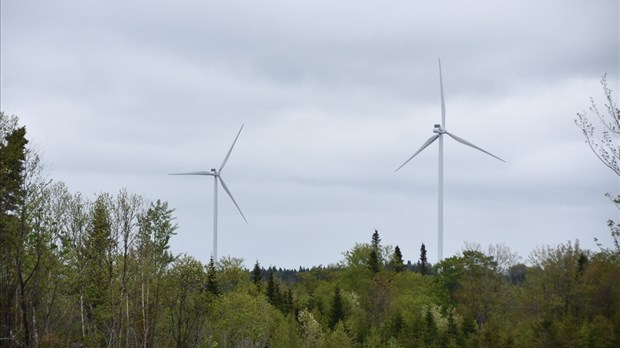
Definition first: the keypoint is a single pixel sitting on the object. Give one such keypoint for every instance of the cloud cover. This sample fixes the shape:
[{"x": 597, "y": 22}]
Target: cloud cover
[{"x": 334, "y": 96}]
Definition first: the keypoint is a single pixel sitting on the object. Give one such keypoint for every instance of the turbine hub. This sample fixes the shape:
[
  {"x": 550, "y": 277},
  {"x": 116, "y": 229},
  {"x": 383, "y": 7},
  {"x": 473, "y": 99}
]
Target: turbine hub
[
  {"x": 213, "y": 170},
  {"x": 438, "y": 129}
]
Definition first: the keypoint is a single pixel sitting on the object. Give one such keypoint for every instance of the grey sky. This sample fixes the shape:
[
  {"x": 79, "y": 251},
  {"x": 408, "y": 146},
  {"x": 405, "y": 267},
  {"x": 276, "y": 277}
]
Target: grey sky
[{"x": 334, "y": 97}]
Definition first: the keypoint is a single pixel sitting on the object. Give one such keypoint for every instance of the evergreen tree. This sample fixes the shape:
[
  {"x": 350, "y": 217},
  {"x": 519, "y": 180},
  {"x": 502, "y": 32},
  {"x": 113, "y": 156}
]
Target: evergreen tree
[
  {"x": 423, "y": 260},
  {"x": 397, "y": 324},
  {"x": 337, "y": 311},
  {"x": 375, "y": 243},
  {"x": 431, "y": 327},
  {"x": 453, "y": 329},
  {"x": 374, "y": 258},
  {"x": 99, "y": 254},
  {"x": 256, "y": 275},
  {"x": 12, "y": 163},
  {"x": 12, "y": 166},
  {"x": 212, "y": 286},
  {"x": 272, "y": 289},
  {"x": 396, "y": 263},
  {"x": 289, "y": 301}
]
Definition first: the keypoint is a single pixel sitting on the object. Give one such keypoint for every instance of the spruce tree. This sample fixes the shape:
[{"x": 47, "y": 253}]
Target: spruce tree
[
  {"x": 431, "y": 327},
  {"x": 375, "y": 240},
  {"x": 289, "y": 301},
  {"x": 212, "y": 286},
  {"x": 396, "y": 263},
  {"x": 337, "y": 311},
  {"x": 373, "y": 259},
  {"x": 12, "y": 167},
  {"x": 12, "y": 176},
  {"x": 256, "y": 275},
  {"x": 98, "y": 256},
  {"x": 423, "y": 260},
  {"x": 272, "y": 289}
]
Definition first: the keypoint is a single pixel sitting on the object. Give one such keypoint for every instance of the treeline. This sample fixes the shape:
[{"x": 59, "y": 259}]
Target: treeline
[{"x": 79, "y": 272}]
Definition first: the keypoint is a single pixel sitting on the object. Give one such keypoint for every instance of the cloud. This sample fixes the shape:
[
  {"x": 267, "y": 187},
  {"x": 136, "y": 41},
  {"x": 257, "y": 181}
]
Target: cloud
[{"x": 334, "y": 96}]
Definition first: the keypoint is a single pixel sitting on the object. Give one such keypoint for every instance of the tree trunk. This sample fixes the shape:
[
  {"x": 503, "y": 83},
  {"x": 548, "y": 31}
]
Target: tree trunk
[
  {"x": 82, "y": 315},
  {"x": 35, "y": 335}
]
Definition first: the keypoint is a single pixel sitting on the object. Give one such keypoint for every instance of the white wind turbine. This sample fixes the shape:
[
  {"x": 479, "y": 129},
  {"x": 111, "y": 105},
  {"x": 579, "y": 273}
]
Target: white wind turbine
[
  {"x": 440, "y": 130},
  {"x": 217, "y": 175}
]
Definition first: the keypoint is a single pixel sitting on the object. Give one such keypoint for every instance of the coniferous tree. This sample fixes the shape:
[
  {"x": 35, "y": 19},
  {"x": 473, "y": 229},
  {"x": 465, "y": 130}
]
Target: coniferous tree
[
  {"x": 12, "y": 166},
  {"x": 397, "y": 324},
  {"x": 373, "y": 259},
  {"x": 337, "y": 311},
  {"x": 453, "y": 329},
  {"x": 396, "y": 263},
  {"x": 431, "y": 327},
  {"x": 272, "y": 289},
  {"x": 212, "y": 286},
  {"x": 98, "y": 253},
  {"x": 375, "y": 243},
  {"x": 99, "y": 273},
  {"x": 256, "y": 275},
  {"x": 289, "y": 301},
  {"x": 423, "y": 260}
]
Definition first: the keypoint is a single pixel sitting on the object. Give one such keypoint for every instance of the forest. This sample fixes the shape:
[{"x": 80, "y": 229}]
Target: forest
[{"x": 80, "y": 272}]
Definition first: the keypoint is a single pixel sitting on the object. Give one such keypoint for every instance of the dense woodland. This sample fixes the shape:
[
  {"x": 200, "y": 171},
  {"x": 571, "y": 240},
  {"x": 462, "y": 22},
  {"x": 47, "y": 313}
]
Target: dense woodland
[{"x": 80, "y": 272}]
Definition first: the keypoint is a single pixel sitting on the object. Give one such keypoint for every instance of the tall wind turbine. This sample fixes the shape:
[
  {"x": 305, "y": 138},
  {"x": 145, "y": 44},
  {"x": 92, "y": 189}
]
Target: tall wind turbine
[
  {"x": 440, "y": 130},
  {"x": 217, "y": 176}
]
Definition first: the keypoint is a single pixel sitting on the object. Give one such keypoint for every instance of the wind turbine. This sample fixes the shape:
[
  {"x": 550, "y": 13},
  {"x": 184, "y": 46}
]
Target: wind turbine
[
  {"x": 217, "y": 175},
  {"x": 440, "y": 130}
]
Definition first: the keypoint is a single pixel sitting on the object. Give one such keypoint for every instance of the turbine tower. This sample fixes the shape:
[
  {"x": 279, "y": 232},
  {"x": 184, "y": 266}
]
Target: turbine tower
[
  {"x": 217, "y": 176},
  {"x": 440, "y": 130}
]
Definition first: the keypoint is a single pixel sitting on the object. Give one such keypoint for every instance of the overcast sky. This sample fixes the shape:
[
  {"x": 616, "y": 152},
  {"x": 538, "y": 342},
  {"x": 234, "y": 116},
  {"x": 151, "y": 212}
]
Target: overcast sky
[{"x": 334, "y": 95}]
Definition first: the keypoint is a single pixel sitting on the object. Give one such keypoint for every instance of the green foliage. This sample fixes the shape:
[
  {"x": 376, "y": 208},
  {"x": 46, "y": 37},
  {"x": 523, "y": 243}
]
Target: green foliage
[
  {"x": 470, "y": 283},
  {"x": 186, "y": 302},
  {"x": 13, "y": 235},
  {"x": 310, "y": 329},
  {"x": 423, "y": 262},
  {"x": 212, "y": 286},
  {"x": 336, "y": 313},
  {"x": 286, "y": 333},
  {"x": 242, "y": 320},
  {"x": 231, "y": 275},
  {"x": 256, "y": 275},
  {"x": 12, "y": 167},
  {"x": 272, "y": 290},
  {"x": 339, "y": 338},
  {"x": 396, "y": 261},
  {"x": 374, "y": 259}
]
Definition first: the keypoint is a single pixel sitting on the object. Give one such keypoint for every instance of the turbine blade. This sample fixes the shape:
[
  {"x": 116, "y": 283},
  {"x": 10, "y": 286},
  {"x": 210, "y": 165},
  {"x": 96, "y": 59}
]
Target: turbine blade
[
  {"x": 229, "y": 151},
  {"x": 465, "y": 142},
  {"x": 443, "y": 103},
  {"x": 231, "y": 197},
  {"x": 194, "y": 173},
  {"x": 424, "y": 146}
]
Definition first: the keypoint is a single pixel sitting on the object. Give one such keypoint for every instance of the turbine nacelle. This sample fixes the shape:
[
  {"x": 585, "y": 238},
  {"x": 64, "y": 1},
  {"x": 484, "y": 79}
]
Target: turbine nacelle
[{"x": 438, "y": 129}]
